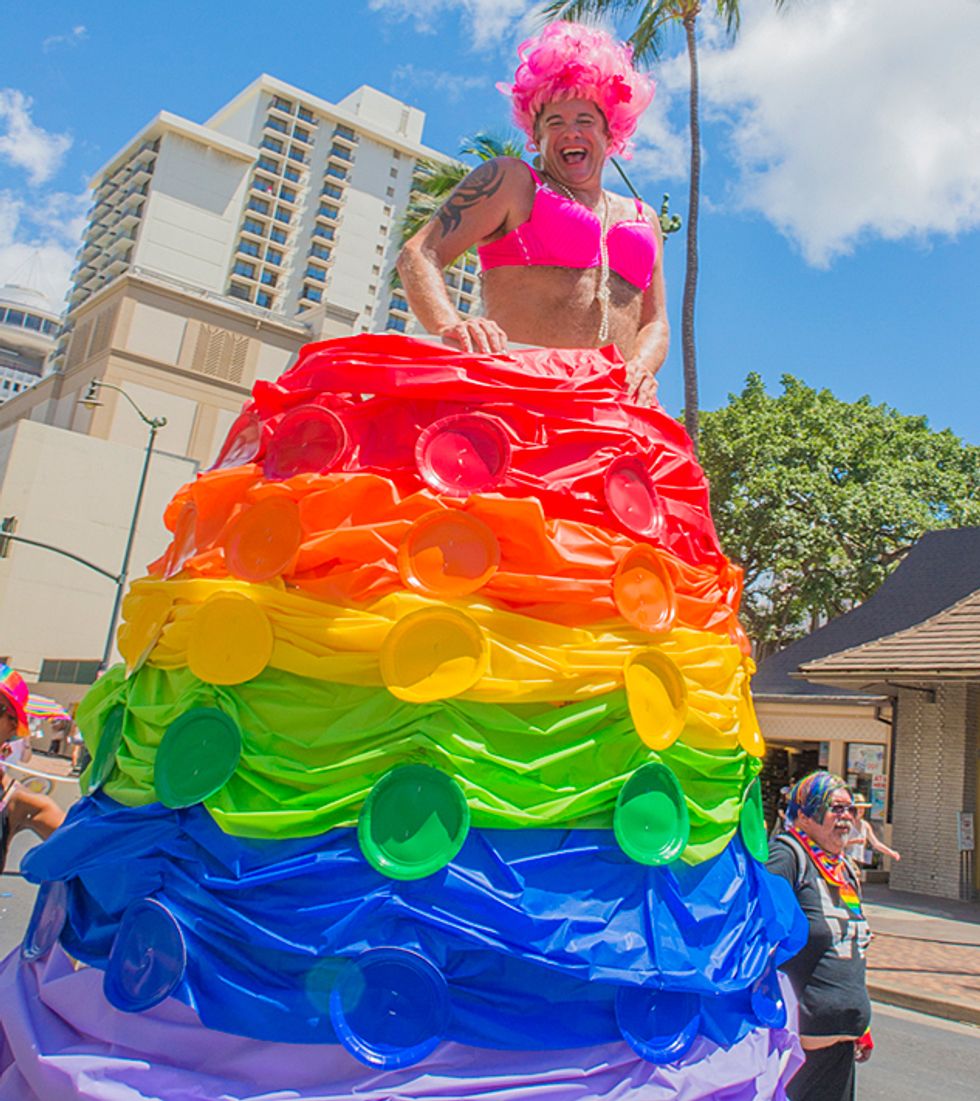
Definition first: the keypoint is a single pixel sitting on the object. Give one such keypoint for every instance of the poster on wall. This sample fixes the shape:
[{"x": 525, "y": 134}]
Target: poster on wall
[
  {"x": 864, "y": 758},
  {"x": 879, "y": 785}
]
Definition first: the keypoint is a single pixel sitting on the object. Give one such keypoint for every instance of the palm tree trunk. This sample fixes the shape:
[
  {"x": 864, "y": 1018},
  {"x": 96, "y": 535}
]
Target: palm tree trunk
[{"x": 691, "y": 276}]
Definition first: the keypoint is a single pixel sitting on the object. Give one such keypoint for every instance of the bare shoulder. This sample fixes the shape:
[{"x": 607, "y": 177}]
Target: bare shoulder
[
  {"x": 494, "y": 197},
  {"x": 499, "y": 175},
  {"x": 623, "y": 208},
  {"x": 653, "y": 217}
]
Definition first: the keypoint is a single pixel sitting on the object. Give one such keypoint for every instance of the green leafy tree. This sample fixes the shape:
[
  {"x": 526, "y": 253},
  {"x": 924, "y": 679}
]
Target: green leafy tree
[
  {"x": 818, "y": 499},
  {"x": 655, "y": 20}
]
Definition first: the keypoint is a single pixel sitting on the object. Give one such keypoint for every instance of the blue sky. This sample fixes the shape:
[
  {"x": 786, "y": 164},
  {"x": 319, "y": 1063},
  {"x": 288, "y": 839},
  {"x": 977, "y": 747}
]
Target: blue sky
[{"x": 840, "y": 226}]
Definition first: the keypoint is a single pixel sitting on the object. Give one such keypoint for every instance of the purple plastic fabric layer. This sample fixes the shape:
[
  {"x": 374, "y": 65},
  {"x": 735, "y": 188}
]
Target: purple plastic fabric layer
[{"x": 61, "y": 1041}]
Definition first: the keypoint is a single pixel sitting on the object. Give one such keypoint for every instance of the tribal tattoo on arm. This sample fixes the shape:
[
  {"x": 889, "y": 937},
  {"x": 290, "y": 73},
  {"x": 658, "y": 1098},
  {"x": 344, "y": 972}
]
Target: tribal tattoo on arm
[{"x": 481, "y": 183}]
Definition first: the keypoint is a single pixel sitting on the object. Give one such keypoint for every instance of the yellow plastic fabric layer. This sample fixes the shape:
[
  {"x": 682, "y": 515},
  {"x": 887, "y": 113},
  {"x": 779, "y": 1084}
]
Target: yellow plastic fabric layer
[
  {"x": 311, "y": 752},
  {"x": 529, "y": 661}
]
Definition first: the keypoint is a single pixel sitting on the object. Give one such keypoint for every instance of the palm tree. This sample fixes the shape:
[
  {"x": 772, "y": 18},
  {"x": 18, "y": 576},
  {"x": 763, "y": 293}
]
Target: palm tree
[{"x": 654, "y": 19}]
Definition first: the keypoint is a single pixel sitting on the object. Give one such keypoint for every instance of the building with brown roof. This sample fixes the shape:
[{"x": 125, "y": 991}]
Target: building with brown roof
[
  {"x": 847, "y": 725},
  {"x": 931, "y": 671}
]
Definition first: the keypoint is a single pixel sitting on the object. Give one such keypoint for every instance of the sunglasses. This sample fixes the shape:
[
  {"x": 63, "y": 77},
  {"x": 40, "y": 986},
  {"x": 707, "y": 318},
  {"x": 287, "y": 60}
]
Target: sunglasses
[{"x": 839, "y": 809}]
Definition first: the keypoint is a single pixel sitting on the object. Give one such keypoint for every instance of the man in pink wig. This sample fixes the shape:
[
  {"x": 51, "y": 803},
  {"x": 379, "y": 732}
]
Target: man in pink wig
[{"x": 566, "y": 264}]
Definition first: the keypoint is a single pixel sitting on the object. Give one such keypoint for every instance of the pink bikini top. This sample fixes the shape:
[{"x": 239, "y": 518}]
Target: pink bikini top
[{"x": 562, "y": 233}]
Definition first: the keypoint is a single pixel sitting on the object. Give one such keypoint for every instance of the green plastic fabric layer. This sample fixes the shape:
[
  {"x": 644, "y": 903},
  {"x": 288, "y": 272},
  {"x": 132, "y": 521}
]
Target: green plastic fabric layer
[{"x": 312, "y": 750}]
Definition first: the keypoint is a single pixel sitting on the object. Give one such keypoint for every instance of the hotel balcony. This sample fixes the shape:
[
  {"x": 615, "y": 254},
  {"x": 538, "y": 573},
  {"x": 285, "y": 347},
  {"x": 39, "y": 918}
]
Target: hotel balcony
[
  {"x": 141, "y": 172},
  {"x": 98, "y": 233},
  {"x": 117, "y": 265},
  {"x": 129, "y": 217},
  {"x": 344, "y": 136},
  {"x": 264, "y": 185},
  {"x": 121, "y": 243}
]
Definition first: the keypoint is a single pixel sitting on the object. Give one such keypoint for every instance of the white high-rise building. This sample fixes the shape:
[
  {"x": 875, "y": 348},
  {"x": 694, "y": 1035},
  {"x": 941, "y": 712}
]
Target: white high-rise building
[
  {"x": 281, "y": 200},
  {"x": 28, "y": 324},
  {"x": 213, "y": 252}
]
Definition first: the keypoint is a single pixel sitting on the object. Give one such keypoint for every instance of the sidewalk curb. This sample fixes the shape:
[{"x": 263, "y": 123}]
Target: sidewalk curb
[{"x": 934, "y": 1007}]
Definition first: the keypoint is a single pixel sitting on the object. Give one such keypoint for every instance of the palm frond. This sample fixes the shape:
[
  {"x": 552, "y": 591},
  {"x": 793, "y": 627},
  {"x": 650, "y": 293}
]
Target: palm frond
[
  {"x": 730, "y": 11},
  {"x": 652, "y": 19},
  {"x": 486, "y": 145}
]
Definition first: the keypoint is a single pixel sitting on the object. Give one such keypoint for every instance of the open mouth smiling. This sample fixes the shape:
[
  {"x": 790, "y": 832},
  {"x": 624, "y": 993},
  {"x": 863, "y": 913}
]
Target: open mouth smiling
[{"x": 574, "y": 154}]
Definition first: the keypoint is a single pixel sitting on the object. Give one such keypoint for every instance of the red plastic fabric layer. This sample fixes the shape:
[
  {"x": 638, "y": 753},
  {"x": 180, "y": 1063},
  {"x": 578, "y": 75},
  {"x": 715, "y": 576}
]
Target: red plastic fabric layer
[{"x": 561, "y": 411}]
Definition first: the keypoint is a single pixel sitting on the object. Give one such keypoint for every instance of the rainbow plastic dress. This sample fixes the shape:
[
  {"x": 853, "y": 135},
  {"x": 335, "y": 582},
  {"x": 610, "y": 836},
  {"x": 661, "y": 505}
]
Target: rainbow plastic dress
[{"x": 431, "y": 772}]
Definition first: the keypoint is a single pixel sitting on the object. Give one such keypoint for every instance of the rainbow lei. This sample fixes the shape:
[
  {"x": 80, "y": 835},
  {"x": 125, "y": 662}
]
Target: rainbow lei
[{"x": 833, "y": 869}]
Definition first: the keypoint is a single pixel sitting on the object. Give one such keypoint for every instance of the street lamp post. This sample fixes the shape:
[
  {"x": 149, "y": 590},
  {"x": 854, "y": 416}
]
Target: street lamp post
[{"x": 90, "y": 401}]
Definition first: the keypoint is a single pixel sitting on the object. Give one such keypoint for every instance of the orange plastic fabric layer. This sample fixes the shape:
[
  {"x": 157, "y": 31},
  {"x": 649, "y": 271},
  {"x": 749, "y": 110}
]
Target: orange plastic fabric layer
[
  {"x": 562, "y": 412},
  {"x": 354, "y": 524}
]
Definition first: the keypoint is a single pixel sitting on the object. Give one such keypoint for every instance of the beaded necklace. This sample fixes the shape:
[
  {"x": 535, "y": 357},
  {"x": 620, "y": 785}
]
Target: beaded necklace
[{"x": 602, "y": 291}]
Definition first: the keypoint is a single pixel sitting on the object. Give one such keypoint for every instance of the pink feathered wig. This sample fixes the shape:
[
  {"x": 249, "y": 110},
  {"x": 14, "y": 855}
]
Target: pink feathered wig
[{"x": 572, "y": 61}]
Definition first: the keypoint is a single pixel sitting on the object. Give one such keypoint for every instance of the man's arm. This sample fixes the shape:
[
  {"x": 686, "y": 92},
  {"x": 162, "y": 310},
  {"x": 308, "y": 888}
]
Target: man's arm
[
  {"x": 478, "y": 208},
  {"x": 653, "y": 338}
]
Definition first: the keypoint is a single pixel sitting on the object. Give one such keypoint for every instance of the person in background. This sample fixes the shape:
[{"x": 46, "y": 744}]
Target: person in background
[
  {"x": 779, "y": 823},
  {"x": 828, "y": 974},
  {"x": 79, "y": 751},
  {"x": 863, "y": 842},
  {"x": 19, "y": 809}
]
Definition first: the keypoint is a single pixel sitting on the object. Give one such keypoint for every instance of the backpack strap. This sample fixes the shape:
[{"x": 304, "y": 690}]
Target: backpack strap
[{"x": 798, "y": 853}]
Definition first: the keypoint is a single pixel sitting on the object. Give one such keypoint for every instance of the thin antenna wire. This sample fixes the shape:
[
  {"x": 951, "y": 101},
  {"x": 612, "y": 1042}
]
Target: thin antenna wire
[{"x": 626, "y": 180}]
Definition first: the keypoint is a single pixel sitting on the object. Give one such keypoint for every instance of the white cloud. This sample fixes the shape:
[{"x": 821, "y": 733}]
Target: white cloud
[
  {"x": 488, "y": 21},
  {"x": 853, "y": 119},
  {"x": 39, "y": 239},
  {"x": 75, "y": 36},
  {"x": 662, "y": 152},
  {"x": 453, "y": 86},
  {"x": 26, "y": 145}
]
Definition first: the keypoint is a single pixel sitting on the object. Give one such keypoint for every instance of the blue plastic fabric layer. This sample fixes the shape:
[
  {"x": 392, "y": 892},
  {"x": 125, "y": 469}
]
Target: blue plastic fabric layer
[{"x": 534, "y": 930}]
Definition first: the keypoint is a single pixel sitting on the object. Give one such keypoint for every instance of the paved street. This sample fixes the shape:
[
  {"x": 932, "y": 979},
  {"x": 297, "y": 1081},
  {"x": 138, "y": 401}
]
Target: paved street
[
  {"x": 16, "y": 895},
  {"x": 920, "y": 1057}
]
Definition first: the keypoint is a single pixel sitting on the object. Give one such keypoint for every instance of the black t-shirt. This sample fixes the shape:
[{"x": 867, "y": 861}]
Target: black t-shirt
[{"x": 828, "y": 973}]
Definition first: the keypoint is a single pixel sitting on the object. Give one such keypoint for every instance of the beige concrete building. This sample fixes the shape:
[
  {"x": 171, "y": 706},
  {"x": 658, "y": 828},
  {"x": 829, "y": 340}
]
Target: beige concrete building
[
  {"x": 213, "y": 252},
  {"x": 191, "y": 356},
  {"x": 75, "y": 492},
  {"x": 69, "y": 474}
]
